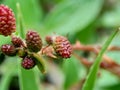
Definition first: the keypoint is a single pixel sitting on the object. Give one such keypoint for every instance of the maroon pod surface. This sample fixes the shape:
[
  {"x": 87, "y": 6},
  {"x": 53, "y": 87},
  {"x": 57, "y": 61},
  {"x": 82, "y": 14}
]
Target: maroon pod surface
[
  {"x": 62, "y": 46},
  {"x": 33, "y": 41},
  {"x": 28, "y": 63},
  {"x": 17, "y": 42},
  {"x": 7, "y": 21},
  {"x": 8, "y": 50}
]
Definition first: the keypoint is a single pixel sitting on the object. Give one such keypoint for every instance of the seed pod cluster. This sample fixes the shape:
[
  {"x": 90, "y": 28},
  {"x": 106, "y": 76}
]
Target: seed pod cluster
[
  {"x": 8, "y": 49},
  {"x": 28, "y": 63},
  {"x": 61, "y": 45},
  {"x": 48, "y": 39},
  {"x": 18, "y": 47},
  {"x": 29, "y": 49},
  {"x": 33, "y": 41},
  {"x": 7, "y": 21},
  {"x": 17, "y": 42}
]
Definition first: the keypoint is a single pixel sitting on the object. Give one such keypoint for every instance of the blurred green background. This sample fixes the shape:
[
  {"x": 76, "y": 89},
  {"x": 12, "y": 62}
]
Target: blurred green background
[{"x": 89, "y": 21}]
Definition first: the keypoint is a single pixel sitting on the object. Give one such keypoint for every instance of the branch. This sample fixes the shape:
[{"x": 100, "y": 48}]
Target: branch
[
  {"x": 78, "y": 46},
  {"x": 107, "y": 64}
]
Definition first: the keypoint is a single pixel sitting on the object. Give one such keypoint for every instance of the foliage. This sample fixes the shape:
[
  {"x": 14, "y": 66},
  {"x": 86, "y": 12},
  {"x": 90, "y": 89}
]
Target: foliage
[{"x": 88, "y": 21}]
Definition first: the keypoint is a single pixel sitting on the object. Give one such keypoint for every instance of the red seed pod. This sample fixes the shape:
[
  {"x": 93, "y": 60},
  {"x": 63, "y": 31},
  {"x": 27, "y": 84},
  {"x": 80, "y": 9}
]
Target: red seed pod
[
  {"x": 48, "y": 39},
  {"x": 17, "y": 42},
  {"x": 28, "y": 63},
  {"x": 33, "y": 41},
  {"x": 7, "y": 21},
  {"x": 62, "y": 46},
  {"x": 8, "y": 50}
]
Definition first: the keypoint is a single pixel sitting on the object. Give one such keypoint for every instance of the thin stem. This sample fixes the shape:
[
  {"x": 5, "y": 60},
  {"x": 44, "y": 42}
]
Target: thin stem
[
  {"x": 78, "y": 46},
  {"x": 20, "y": 21},
  {"x": 107, "y": 64}
]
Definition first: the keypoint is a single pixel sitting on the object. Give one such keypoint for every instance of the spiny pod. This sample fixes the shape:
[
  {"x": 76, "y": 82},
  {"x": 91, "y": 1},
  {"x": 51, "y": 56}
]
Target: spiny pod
[
  {"x": 8, "y": 49},
  {"x": 33, "y": 41},
  {"x": 48, "y": 39},
  {"x": 28, "y": 63},
  {"x": 7, "y": 21},
  {"x": 61, "y": 45},
  {"x": 17, "y": 42}
]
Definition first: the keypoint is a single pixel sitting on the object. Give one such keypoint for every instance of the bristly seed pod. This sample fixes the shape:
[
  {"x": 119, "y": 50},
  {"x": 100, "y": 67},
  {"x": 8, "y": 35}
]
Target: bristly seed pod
[
  {"x": 17, "y": 42},
  {"x": 7, "y": 21},
  {"x": 28, "y": 63},
  {"x": 33, "y": 41},
  {"x": 48, "y": 39},
  {"x": 62, "y": 46},
  {"x": 8, "y": 50}
]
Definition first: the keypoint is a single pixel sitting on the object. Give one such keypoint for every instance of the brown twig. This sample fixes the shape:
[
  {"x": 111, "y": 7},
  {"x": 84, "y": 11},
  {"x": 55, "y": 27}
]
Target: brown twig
[
  {"x": 107, "y": 64},
  {"x": 48, "y": 51},
  {"x": 79, "y": 46}
]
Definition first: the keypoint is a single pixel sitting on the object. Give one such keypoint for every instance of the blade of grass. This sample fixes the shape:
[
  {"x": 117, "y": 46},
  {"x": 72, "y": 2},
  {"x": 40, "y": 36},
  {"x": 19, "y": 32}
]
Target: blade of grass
[
  {"x": 71, "y": 68},
  {"x": 40, "y": 62},
  {"x": 27, "y": 78},
  {"x": 89, "y": 83},
  {"x": 4, "y": 85},
  {"x": 20, "y": 22},
  {"x": 6, "y": 80},
  {"x": 8, "y": 70}
]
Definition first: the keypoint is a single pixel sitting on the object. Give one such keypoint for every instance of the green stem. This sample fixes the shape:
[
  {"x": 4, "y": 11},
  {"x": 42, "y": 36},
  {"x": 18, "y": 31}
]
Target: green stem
[
  {"x": 27, "y": 78},
  {"x": 90, "y": 81},
  {"x": 6, "y": 80},
  {"x": 20, "y": 22},
  {"x": 39, "y": 61}
]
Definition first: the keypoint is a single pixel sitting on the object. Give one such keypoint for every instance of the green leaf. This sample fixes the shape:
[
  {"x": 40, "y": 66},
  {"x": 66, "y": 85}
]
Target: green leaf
[
  {"x": 103, "y": 82},
  {"x": 40, "y": 62},
  {"x": 72, "y": 15},
  {"x": 5, "y": 81},
  {"x": 27, "y": 78},
  {"x": 20, "y": 22},
  {"x": 111, "y": 18},
  {"x": 71, "y": 70},
  {"x": 87, "y": 35},
  {"x": 89, "y": 83},
  {"x": 8, "y": 70}
]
